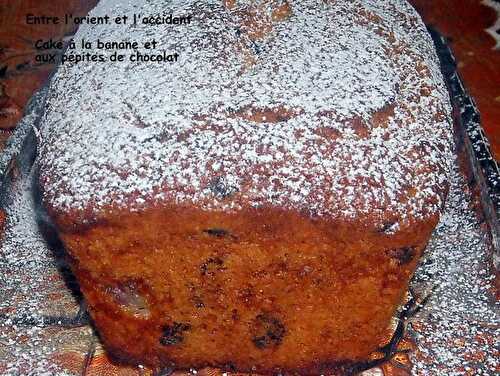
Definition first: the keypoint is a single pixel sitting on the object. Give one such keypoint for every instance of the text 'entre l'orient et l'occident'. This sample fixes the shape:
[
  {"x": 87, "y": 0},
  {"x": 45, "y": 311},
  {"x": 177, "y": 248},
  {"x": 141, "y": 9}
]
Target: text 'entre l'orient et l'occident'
[{"x": 136, "y": 18}]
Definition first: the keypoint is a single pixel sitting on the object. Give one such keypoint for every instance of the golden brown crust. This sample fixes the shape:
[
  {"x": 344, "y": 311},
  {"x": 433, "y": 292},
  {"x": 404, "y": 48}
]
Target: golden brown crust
[
  {"x": 261, "y": 290},
  {"x": 303, "y": 117}
]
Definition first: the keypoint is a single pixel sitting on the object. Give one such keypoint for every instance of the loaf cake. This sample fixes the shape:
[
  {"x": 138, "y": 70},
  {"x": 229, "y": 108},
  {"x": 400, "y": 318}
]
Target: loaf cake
[{"x": 261, "y": 204}]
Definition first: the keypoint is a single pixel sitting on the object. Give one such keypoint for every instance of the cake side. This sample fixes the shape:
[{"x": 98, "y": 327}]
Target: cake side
[{"x": 261, "y": 290}]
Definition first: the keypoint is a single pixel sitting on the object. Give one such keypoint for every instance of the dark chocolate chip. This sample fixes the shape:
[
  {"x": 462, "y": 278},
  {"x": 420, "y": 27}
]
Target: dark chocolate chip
[
  {"x": 424, "y": 146},
  {"x": 22, "y": 65},
  {"x": 167, "y": 371},
  {"x": 230, "y": 367},
  {"x": 402, "y": 255},
  {"x": 221, "y": 188},
  {"x": 211, "y": 266},
  {"x": 198, "y": 302},
  {"x": 218, "y": 232},
  {"x": 173, "y": 334},
  {"x": 269, "y": 331},
  {"x": 387, "y": 226},
  {"x": 256, "y": 48}
]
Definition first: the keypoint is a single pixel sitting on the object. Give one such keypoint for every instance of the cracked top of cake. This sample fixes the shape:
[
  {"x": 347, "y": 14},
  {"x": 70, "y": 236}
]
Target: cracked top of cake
[{"x": 333, "y": 108}]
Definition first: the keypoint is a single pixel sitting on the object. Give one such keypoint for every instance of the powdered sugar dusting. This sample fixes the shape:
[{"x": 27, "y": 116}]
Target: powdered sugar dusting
[
  {"x": 29, "y": 279},
  {"x": 119, "y": 135},
  {"x": 457, "y": 332},
  {"x": 32, "y": 113}
]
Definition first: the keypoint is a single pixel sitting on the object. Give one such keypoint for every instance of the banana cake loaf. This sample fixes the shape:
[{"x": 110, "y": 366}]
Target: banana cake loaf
[{"x": 260, "y": 204}]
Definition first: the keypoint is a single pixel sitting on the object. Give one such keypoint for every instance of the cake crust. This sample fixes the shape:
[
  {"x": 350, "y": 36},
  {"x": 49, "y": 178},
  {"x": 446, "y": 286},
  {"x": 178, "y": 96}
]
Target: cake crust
[{"x": 338, "y": 109}]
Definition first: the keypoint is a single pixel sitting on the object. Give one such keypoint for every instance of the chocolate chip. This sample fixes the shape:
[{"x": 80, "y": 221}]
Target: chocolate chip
[
  {"x": 424, "y": 146},
  {"x": 22, "y": 65},
  {"x": 218, "y": 232},
  {"x": 211, "y": 266},
  {"x": 402, "y": 255},
  {"x": 230, "y": 367},
  {"x": 387, "y": 227},
  {"x": 256, "y": 48},
  {"x": 221, "y": 188},
  {"x": 198, "y": 302},
  {"x": 269, "y": 331},
  {"x": 167, "y": 371},
  {"x": 173, "y": 334}
]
